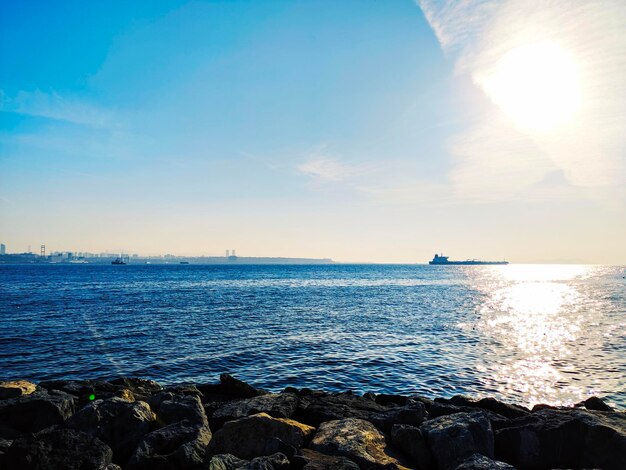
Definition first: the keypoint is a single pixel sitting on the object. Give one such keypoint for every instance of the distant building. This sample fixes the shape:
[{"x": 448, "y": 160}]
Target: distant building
[{"x": 3, "y": 249}]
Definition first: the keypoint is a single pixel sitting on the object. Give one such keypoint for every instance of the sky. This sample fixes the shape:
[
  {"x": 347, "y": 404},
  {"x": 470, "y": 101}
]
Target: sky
[{"x": 362, "y": 131}]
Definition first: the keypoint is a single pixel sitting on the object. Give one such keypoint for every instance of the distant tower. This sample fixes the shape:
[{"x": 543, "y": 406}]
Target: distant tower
[
  {"x": 227, "y": 253},
  {"x": 29, "y": 249},
  {"x": 43, "y": 251},
  {"x": 233, "y": 253},
  {"x": 3, "y": 249}
]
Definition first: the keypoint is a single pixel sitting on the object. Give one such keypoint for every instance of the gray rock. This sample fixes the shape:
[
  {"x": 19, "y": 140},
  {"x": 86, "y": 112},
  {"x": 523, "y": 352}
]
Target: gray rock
[
  {"x": 412, "y": 443},
  {"x": 179, "y": 445},
  {"x": 489, "y": 404},
  {"x": 313, "y": 460},
  {"x": 233, "y": 387},
  {"x": 356, "y": 439},
  {"x": 181, "y": 407},
  {"x": 455, "y": 437},
  {"x": 63, "y": 449},
  {"x": 230, "y": 462},
  {"x": 570, "y": 438},
  {"x": 183, "y": 389},
  {"x": 226, "y": 462},
  {"x": 120, "y": 424},
  {"x": 15, "y": 388},
  {"x": 596, "y": 404},
  {"x": 318, "y": 407},
  {"x": 282, "y": 405},
  {"x": 142, "y": 388},
  {"x": 480, "y": 462},
  {"x": 34, "y": 412},
  {"x": 413, "y": 413},
  {"x": 258, "y": 435}
]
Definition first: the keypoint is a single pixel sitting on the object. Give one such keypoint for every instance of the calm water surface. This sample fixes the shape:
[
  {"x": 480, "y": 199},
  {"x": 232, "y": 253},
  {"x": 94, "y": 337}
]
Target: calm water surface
[{"x": 525, "y": 333}]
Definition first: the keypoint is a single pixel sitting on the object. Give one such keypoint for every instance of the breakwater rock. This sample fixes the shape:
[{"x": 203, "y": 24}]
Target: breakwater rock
[{"x": 135, "y": 424}]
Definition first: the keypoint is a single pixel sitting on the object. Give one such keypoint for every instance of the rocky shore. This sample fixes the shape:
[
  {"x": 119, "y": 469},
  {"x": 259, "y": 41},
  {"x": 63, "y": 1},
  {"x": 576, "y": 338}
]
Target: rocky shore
[{"x": 135, "y": 424}]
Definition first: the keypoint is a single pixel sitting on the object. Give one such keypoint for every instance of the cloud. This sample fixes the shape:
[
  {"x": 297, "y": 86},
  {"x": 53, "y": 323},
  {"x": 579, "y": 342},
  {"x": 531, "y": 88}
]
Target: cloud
[
  {"x": 330, "y": 169},
  {"x": 59, "y": 108},
  {"x": 589, "y": 148}
]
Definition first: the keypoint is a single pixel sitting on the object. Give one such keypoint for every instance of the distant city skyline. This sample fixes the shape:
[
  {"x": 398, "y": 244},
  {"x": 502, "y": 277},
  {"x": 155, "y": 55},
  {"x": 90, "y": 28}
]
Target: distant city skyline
[{"x": 357, "y": 131}]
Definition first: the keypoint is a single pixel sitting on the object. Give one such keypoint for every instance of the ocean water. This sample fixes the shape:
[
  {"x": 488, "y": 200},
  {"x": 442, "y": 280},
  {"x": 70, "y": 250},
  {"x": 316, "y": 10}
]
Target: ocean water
[{"x": 524, "y": 333}]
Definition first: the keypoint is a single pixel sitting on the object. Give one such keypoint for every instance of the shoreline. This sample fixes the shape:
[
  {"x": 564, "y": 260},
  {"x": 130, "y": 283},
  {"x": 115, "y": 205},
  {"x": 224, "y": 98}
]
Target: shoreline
[{"x": 134, "y": 423}]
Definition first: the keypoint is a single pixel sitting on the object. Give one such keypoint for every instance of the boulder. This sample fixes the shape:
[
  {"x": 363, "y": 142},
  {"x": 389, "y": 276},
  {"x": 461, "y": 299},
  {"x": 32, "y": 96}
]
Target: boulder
[
  {"x": 596, "y": 404},
  {"x": 313, "y": 460},
  {"x": 233, "y": 387},
  {"x": 183, "y": 389},
  {"x": 120, "y": 424},
  {"x": 179, "y": 408},
  {"x": 83, "y": 389},
  {"x": 63, "y": 449},
  {"x": 316, "y": 408},
  {"x": 412, "y": 443},
  {"x": 178, "y": 445},
  {"x": 34, "y": 412},
  {"x": 489, "y": 404},
  {"x": 455, "y": 437},
  {"x": 413, "y": 413},
  {"x": 564, "y": 438},
  {"x": 356, "y": 439},
  {"x": 142, "y": 388},
  {"x": 391, "y": 400},
  {"x": 281, "y": 405},
  {"x": 480, "y": 462},
  {"x": 16, "y": 388},
  {"x": 258, "y": 435},
  {"x": 230, "y": 462}
]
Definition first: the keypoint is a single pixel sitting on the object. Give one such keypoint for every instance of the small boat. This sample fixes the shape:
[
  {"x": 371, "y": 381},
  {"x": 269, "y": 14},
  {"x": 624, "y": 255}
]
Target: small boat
[
  {"x": 119, "y": 260},
  {"x": 184, "y": 262},
  {"x": 443, "y": 260}
]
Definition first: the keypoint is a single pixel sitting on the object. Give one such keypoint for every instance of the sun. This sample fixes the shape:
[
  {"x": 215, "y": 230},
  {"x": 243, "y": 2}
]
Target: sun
[{"x": 536, "y": 85}]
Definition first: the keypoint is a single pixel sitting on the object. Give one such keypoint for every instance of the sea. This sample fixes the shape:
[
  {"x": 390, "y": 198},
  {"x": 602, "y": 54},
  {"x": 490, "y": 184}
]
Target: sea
[{"x": 525, "y": 334}]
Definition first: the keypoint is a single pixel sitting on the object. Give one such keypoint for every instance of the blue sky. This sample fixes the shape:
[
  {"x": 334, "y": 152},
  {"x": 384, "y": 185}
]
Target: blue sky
[{"x": 361, "y": 131}]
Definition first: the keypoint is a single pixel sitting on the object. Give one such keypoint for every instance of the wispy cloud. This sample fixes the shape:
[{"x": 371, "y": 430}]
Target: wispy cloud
[
  {"x": 325, "y": 168},
  {"x": 590, "y": 148},
  {"x": 57, "y": 107}
]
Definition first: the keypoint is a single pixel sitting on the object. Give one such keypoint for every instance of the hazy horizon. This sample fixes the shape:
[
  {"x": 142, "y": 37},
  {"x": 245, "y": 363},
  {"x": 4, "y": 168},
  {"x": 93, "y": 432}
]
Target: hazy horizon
[{"x": 362, "y": 132}]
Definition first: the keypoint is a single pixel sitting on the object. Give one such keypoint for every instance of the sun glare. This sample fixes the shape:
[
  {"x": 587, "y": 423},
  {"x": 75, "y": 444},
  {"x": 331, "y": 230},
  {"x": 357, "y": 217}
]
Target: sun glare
[{"x": 536, "y": 85}]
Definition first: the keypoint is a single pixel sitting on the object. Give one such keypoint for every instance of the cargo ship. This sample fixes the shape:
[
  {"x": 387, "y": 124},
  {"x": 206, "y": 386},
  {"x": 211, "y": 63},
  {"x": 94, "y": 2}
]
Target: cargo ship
[{"x": 443, "y": 260}]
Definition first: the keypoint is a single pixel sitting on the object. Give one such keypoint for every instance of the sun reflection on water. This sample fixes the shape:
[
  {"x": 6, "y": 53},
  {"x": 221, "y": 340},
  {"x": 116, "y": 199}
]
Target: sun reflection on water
[{"x": 532, "y": 323}]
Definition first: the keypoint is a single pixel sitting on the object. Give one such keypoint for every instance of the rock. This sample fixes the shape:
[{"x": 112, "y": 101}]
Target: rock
[
  {"x": 455, "y": 437},
  {"x": 120, "y": 424},
  {"x": 226, "y": 462},
  {"x": 413, "y": 413},
  {"x": 16, "y": 388},
  {"x": 236, "y": 388},
  {"x": 319, "y": 407},
  {"x": 142, "y": 388},
  {"x": 178, "y": 445},
  {"x": 230, "y": 462},
  {"x": 572, "y": 438},
  {"x": 480, "y": 462},
  {"x": 258, "y": 435},
  {"x": 64, "y": 449},
  {"x": 387, "y": 400},
  {"x": 282, "y": 405},
  {"x": 34, "y": 412},
  {"x": 181, "y": 407},
  {"x": 83, "y": 389},
  {"x": 489, "y": 404},
  {"x": 356, "y": 439},
  {"x": 596, "y": 404},
  {"x": 313, "y": 460},
  {"x": 183, "y": 389},
  {"x": 412, "y": 443}
]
